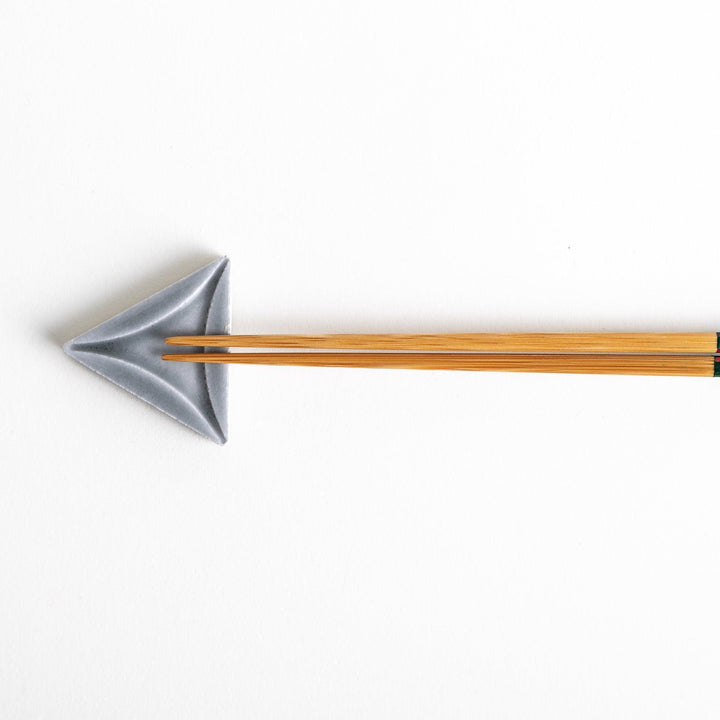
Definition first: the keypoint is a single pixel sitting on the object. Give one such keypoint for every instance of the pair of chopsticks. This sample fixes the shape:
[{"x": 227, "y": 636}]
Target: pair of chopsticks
[{"x": 686, "y": 354}]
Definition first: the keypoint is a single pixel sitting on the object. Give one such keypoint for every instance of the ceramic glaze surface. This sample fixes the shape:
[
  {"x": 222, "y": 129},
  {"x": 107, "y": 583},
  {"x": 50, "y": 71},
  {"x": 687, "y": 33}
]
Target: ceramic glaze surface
[{"x": 127, "y": 349}]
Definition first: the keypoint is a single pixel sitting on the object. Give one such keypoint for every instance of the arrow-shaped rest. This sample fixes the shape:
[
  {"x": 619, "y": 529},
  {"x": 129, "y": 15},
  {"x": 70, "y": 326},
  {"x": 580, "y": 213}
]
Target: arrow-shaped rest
[
  {"x": 128, "y": 348},
  {"x": 190, "y": 384}
]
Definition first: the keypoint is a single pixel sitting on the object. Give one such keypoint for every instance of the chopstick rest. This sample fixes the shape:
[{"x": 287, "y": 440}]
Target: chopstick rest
[{"x": 127, "y": 350}]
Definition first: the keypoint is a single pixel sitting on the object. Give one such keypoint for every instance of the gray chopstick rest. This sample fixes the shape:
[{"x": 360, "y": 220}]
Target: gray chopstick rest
[{"x": 127, "y": 349}]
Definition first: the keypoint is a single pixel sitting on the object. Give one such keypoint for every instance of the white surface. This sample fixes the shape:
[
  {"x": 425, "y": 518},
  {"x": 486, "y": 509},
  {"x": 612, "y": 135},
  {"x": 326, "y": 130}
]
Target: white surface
[{"x": 370, "y": 544}]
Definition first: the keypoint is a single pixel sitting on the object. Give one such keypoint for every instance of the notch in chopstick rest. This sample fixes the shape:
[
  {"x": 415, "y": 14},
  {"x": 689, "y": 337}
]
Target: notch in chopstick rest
[{"x": 127, "y": 350}]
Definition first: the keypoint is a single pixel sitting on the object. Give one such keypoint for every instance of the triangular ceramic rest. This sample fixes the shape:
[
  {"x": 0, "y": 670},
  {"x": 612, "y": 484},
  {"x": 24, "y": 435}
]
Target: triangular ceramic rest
[{"x": 127, "y": 350}]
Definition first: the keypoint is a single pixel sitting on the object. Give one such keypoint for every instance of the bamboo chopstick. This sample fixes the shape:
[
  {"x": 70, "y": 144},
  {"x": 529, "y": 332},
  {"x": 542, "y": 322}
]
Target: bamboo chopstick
[
  {"x": 684, "y": 365},
  {"x": 649, "y": 343}
]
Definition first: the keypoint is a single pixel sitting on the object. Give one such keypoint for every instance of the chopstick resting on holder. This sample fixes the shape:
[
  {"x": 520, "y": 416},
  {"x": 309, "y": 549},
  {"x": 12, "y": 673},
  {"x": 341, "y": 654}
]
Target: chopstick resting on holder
[{"x": 685, "y": 354}]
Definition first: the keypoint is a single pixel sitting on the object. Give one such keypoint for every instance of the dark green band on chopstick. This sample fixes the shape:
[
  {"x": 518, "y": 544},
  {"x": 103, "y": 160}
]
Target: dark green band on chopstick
[
  {"x": 718, "y": 342},
  {"x": 717, "y": 367}
]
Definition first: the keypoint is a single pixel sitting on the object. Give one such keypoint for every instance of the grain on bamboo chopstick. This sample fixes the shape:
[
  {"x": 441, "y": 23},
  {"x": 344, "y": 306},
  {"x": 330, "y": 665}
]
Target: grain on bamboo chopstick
[
  {"x": 682, "y": 365},
  {"x": 671, "y": 343}
]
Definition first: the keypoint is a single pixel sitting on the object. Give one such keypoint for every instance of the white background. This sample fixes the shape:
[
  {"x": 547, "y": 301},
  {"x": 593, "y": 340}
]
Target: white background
[{"x": 369, "y": 544}]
